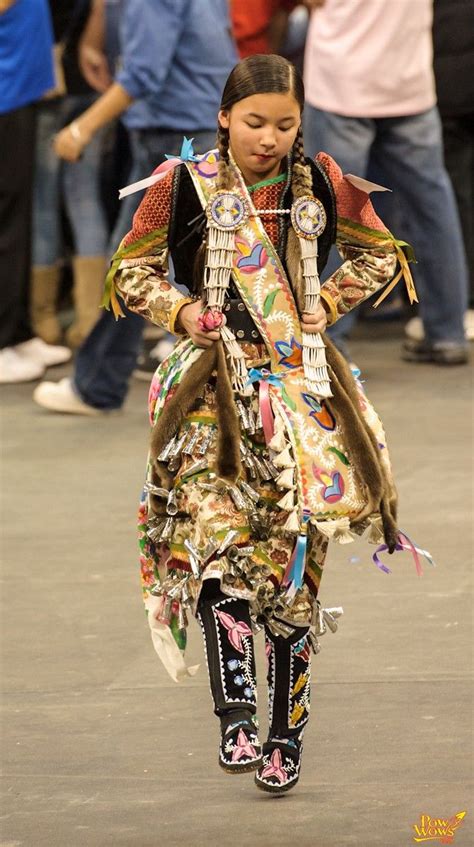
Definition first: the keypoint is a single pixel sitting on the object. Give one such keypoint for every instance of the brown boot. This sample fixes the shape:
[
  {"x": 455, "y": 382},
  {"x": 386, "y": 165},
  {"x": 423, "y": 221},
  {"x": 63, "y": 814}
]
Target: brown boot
[
  {"x": 89, "y": 275},
  {"x": 43, "y": 297}
]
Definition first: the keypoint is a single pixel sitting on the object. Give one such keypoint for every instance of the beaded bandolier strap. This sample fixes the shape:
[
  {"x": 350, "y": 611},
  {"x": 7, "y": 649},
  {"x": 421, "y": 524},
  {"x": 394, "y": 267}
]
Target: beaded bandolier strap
[
  {"x": 226, "y": 212},
  {"x": 309, "y": 221}
]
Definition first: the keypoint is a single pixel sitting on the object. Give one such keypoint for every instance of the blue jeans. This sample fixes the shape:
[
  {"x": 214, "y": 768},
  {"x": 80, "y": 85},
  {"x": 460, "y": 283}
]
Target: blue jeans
[
  {"x": 107, "y": 357},
  {"x": 408, "y": 151},
  {"x": 77, "y": 184}
]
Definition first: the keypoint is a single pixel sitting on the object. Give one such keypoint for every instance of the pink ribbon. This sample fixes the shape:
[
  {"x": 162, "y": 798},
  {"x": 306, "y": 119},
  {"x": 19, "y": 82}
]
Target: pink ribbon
[
  {"x": 266, "y": 411},
  {"x": 166, "y": 166},
  {"x": 404, "y": 543},
  {"x": 265, "y": 378}
]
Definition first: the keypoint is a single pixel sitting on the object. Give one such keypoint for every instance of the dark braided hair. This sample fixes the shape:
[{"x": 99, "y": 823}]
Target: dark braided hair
[{"x": 301, "y": 180}]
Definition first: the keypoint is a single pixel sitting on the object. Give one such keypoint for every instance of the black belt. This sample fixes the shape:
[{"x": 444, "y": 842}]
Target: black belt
[{"x": 240, "y": 321}]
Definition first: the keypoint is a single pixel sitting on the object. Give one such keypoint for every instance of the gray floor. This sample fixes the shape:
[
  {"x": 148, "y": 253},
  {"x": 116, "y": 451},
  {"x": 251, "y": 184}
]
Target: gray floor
[{"x": 101, "y": 748}]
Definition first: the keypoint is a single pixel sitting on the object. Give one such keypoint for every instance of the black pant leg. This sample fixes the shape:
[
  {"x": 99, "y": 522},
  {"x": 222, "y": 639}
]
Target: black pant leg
[
  {"x": 458, "y": 139},
  {"x": 17, "y": 144}
]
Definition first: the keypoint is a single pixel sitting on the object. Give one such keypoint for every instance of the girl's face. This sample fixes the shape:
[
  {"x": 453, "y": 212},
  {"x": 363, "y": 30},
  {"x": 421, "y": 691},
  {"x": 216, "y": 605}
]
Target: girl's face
[{"x": 262, "y": 129}]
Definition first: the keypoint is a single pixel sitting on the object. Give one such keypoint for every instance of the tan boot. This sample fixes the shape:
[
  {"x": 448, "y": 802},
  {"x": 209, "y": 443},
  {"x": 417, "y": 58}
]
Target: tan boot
[
  {"x": 89, "y": 275},
  {"x": 43, "y": 298}
]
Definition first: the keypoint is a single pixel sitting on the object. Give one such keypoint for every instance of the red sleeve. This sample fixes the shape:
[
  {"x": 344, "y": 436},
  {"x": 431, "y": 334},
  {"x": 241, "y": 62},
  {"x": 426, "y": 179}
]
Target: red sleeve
[
  {"x": 154, "y": 211},
  {"x": 351, "y": 202}
]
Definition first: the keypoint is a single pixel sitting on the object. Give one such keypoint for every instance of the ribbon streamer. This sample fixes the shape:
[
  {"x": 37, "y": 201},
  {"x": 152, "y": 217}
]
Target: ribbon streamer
[
  {"x": 265, "y": 378},
  {"x": 294, "y": 574},
  {"x": 404, "y": 543},
  {"x": 186, "y": 155},
  {"x": 404, "y": 272}
]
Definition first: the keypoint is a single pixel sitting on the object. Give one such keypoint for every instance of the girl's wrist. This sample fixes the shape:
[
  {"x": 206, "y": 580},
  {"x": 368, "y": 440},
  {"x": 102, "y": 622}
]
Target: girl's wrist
[
  {"x": 80, "y": 134},
  {"x": 176, "y": 325}
]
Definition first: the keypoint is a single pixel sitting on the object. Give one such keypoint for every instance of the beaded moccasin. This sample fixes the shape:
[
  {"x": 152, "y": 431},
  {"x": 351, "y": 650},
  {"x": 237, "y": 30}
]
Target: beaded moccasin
[
  {"x": 280, "y": 768},
  {"x": 240, "y": 749}
]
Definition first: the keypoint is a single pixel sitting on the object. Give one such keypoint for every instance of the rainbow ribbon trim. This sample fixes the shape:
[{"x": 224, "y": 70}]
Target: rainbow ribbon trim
[{"x": 404, "y": 543}]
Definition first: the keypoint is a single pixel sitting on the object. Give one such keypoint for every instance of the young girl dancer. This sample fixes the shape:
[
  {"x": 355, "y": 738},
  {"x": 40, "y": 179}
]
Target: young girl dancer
[{"x": 263, "y": 447}]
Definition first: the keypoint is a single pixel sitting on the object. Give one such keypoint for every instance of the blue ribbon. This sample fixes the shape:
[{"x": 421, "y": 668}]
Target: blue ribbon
[
  {"x": 258, "y": 374},
  {"x": 294, "y": 576},
  {"x": 186, "y": 154}
]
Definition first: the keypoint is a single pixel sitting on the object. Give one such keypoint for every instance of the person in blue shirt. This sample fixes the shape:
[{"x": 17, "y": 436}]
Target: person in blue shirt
[
  {"x": 26, "y": 74},
  {"x": 176, "y": 56}
]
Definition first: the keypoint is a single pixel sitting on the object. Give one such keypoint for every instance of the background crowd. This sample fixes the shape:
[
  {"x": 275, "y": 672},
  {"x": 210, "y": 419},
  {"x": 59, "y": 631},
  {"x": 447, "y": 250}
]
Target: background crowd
[{"x": 95, "y": 93}]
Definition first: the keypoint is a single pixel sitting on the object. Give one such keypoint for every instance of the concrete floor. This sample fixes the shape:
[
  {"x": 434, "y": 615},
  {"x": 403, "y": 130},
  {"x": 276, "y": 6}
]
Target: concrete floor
[{"x": 101, "y": 748}]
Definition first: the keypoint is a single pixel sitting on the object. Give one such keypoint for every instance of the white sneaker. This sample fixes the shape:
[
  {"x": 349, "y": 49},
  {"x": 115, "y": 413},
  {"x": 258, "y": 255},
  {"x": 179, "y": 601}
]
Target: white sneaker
[
  {"x": 48, "y": 354},
  {"x": 61, "y": 397},
  {"x": 17, "y": 368},
  {"x": 414, "y": 329},
  {"x": 469, "y": 324}
]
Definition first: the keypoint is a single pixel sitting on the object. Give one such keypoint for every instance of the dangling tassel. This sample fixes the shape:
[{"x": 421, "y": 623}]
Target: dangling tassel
[
  {"x": 284, "y": 459},
  {"x": 337, "y": 530},
  {"x": 404, "y": 543},
  {"x": 286, "y": 479},
  {"x": 278, "y": 442},
  {"x": 375, "y": 534},
  {"x": 287, "y": 503},
  {"x": 292, "y": 523},
  {"x": 294, "y": 573}
]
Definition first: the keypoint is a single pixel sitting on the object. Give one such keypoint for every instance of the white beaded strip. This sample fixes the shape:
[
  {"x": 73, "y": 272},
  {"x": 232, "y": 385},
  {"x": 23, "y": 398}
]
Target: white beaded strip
[
  {"x": 256, "y": 212},
  {"x": 314, "y": 353}
]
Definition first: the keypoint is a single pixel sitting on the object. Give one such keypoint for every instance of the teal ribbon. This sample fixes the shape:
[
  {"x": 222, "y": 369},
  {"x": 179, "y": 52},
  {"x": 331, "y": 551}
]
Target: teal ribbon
[
  {"x": 294, "y": 574},
  {"x": 259, "y": 374},
  {"x": 186, "y": 153}
]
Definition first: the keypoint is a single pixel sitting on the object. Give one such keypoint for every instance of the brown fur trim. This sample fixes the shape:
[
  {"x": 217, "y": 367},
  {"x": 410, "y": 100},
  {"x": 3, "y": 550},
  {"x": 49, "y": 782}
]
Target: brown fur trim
[
  {"x": 360, "y": 447},
  {"x": 389, "y": 524},
  {"x": 293, "y": 265},
  {"x": 174, "y": 412},
  {"x": 228, "y": 429},
  {"x": 364, "y": 450}
]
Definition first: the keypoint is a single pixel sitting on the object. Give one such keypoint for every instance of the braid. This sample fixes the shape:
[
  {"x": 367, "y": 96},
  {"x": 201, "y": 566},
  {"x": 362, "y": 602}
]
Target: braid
[
  {"x": 225, "y": 178},
  {"x": 301, "y": 185},
  {"x": 302, "y": 181},
  {"x": 224, "y": 182}
]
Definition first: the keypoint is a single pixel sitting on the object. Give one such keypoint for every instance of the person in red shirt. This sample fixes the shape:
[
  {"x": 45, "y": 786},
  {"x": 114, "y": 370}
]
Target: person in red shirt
[{"x": 259, "y": 26}]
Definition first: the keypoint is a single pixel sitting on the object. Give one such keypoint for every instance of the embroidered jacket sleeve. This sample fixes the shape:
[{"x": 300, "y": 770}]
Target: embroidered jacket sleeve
[
  {"x": 139, "y": 269},
  {"x": 366, "y": 246}
]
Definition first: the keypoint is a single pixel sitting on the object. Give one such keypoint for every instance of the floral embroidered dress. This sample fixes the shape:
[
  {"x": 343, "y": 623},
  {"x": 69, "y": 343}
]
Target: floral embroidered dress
[{"x": 200, "y": 526}]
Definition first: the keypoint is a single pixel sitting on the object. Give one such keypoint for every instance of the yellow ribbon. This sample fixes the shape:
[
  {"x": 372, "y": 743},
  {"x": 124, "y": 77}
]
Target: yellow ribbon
[{"x": 404, "y": 272}]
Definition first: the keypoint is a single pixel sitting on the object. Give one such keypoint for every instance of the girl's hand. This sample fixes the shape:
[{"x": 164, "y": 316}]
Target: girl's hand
[
  {"x": 315, "y": 322},
  {"x": 188, "y": 320}
]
